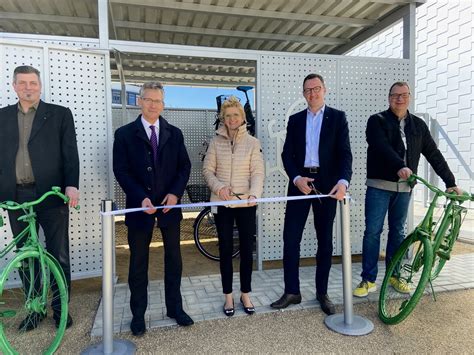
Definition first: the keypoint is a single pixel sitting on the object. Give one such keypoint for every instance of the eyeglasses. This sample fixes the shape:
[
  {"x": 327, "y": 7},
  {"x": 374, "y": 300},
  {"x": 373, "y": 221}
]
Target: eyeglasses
[
  {"x": 404, "y": 96},
  {"x": 315, "y": 89},
  {"x": 148, "y": 101}
]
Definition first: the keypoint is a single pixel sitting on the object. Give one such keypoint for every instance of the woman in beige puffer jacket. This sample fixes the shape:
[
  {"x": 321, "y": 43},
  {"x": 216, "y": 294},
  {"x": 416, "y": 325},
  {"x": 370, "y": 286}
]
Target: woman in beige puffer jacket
[{"x": 234, "y": 167}]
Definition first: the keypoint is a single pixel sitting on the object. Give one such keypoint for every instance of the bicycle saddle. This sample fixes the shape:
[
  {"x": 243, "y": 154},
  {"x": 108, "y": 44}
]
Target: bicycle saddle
[{"x": 244, "y": 88}]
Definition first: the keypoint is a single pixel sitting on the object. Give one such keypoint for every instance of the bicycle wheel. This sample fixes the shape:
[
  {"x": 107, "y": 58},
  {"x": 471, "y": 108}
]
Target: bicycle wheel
[
  {"x": 443, "y": 251},
  {"x": 21, "y": 293},
  {"x": 205, "y": 236},
  {"x": 394, "y": 307}
]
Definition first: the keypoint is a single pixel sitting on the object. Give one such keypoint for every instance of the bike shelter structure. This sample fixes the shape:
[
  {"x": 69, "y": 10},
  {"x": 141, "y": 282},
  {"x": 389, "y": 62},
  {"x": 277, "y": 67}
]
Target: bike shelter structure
[
  {"x": 78, "y": 78},
  {"x": 76, "y": 73}
]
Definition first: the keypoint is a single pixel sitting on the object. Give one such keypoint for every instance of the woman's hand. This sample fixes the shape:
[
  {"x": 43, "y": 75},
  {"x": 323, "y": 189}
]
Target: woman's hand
[
  {"x": 251, "y": 199},
  {"x": 224, "y": 193}
]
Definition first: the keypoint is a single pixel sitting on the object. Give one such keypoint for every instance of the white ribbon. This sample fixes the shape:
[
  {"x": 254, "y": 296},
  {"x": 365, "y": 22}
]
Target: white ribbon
[{"x": 218, "y": 203}]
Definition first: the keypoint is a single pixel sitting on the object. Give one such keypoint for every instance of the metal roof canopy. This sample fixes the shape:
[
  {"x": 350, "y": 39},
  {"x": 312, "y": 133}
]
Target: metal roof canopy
[{"x": 298, "y": 26}]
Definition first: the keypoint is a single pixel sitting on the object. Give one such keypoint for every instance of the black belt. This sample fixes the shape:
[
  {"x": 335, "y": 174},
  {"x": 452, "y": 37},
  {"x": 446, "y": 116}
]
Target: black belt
[
  {"x": 25, "y": 186},
  {"x": 312, "y": 170}
]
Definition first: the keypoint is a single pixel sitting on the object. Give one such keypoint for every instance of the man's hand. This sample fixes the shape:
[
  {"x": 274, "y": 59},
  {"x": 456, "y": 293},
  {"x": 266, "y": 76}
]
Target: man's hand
[
  {"x": 147, "y": 203},
  {"x": 73, "y": 194},
  {"x": 455, "y": 189},
  {"x": 251, "y": 202},
  {"x": 169, "y": 200},
  {"x": 224, "y": 193},
  {"x": 338, "y": 191},
  {"x": 404, "y": 173},
  {"x": 302, "y": 184}
]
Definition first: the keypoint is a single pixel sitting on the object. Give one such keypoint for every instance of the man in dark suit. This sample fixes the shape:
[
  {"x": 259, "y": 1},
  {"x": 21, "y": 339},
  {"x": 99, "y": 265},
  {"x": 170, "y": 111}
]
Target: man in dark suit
[
  {"x": 317, "y": 158},
  {"x": 152, "y": 166},
  {"x": 38, "y": 150}
]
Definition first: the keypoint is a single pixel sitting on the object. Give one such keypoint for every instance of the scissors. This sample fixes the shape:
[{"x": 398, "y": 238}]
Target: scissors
[
  {"x": 232, "y": 193},
  {"x": 316, "y": 192}
]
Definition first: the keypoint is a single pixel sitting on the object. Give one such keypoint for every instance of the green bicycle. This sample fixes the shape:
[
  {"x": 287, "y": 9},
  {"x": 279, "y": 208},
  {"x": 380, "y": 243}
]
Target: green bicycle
[
  {"x": 31, "y": 282},
  {"x": 422, "y": 255}
]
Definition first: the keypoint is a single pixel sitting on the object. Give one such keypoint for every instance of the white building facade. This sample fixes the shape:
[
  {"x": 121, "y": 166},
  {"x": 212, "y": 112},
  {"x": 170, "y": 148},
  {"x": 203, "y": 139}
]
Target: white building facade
[{"x": 444, "y": 79}]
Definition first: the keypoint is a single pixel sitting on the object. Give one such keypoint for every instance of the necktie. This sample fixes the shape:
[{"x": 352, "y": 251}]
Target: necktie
[{"x": 154, "y": 142}]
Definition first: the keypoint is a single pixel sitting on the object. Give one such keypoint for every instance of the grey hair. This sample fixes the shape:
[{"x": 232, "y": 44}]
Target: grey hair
[
  {"x": 151, "y": 85},
  {"x": 26, "y": 69}
]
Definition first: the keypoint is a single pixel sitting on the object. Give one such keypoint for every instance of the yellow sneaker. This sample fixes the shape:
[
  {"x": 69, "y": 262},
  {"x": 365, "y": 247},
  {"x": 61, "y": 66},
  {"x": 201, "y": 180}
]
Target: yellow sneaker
[
  {"x": 364, "y": 288},
  {"x": 399, "y": 285}
]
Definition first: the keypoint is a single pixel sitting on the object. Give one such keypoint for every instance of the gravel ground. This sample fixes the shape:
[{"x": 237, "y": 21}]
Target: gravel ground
[{"x": 445, "y": 326}]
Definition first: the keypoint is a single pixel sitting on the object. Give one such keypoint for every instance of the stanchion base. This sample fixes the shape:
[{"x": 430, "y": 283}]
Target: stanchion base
[
  {"x": 121, "y": 347},
  {"x": 359, "y": 326}
]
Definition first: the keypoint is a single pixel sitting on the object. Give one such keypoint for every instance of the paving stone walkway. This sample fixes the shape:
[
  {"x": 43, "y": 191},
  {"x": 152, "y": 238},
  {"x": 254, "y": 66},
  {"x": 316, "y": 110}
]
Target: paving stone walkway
[{"x": 203, "y": 299}]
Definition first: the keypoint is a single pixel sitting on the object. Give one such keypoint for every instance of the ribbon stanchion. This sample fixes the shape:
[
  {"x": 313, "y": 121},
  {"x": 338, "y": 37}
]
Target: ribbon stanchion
[
  {"x": 109, "y": 345},
  {"x": 347, "y": 323}
]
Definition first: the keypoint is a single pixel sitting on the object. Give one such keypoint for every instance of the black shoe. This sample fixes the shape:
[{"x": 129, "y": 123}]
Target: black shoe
[
  {"x": 229, "y": 312},
  {"x": 183, "y": 319},
  {"x": 248, "y": 310},
  {"x": 137, "y": 326},
  {"x": 286, "y": 300},
  {"x": 57, "y": 320},
  {"x": 31, "y": 321},
  {"x": 326, "y": 304}
]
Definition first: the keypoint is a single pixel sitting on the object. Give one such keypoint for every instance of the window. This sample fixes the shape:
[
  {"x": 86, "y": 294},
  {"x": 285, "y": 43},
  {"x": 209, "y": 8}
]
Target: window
[
  {"x": 131, "y": 99},
  {"x": 116, "y": 98}
]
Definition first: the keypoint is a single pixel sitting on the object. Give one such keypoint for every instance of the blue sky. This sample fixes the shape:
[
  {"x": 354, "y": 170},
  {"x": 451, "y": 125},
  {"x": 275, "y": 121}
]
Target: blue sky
[{"x": 200, "y": 97}]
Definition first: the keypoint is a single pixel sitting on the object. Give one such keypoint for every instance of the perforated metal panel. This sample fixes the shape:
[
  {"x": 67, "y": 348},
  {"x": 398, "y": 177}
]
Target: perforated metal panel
[
  {"x": 197, "y": 127},
  {"x": 357, "y": 86},
  {"x": 75, "y": 79}
]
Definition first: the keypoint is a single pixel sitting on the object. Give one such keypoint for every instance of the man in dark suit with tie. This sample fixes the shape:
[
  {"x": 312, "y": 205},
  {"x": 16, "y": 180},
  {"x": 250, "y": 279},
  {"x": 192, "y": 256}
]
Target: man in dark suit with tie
[
  {"x": 38, "y": 150},
  {"x": 317, "y": 158},
  {"x": 152, "y": 166}
]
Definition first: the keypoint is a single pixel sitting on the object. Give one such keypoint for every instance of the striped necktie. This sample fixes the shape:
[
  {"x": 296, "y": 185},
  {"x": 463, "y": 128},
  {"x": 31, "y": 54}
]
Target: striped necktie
[{"x": 154, "y": 142}]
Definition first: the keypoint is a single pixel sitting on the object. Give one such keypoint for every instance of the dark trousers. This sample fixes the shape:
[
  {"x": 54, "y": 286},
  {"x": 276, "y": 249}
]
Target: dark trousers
[
  {"x": 245, "y": 218},
  {"x": 55, "y": 224},
  {"x": 324, "y": 211},
  {"x": 139, "y": 242}
]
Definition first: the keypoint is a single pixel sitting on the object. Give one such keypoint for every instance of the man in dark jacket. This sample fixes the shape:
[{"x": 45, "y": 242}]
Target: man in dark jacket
[
  {"x": 396, "y": 140},
  {"x": 38, "y": 150},
  {"x": 152, "y": 166},
  {"x": 317, "y": 157}
]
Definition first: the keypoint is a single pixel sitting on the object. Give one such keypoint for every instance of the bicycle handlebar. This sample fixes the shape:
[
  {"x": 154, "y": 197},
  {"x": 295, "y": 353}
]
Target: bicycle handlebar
[
  {"x": 12, "y": 205},
  {"x": 453, "y": 196}
]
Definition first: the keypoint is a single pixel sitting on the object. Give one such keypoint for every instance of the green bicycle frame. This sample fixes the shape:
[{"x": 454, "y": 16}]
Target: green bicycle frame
[
  {"x": 31, "y": 247},
  {"x": 452, "y": 209},
  {"x": 422, "y": 255}
]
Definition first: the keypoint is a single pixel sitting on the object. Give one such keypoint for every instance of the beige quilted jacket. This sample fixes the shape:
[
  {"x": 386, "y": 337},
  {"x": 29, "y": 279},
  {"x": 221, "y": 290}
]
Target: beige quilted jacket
[{"x": 238, "y": 164}]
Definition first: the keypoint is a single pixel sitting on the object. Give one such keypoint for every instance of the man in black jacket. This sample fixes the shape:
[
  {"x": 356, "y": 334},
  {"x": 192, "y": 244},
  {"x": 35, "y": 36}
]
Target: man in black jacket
[
  {"x": 396, "y": 139},
  {"x": 317, "y": 157},
  {"x": 38, "y": 150},
  {"x": 152, "y": 166}
]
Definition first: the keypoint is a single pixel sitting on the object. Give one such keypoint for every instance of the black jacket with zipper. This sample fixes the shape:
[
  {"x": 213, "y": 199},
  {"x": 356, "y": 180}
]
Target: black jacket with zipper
[{"x": 386, "y": 151}]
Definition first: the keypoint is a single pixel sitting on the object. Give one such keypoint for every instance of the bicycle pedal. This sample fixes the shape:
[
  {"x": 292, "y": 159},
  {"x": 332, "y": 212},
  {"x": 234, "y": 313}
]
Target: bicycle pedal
[
  {"x": 443, "y": 255},
  {"x": 444, "y": 247}
]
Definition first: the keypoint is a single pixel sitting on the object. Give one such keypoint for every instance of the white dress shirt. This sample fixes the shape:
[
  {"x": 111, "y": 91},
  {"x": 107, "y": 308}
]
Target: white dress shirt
[{"x": 147, "y": 125}]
